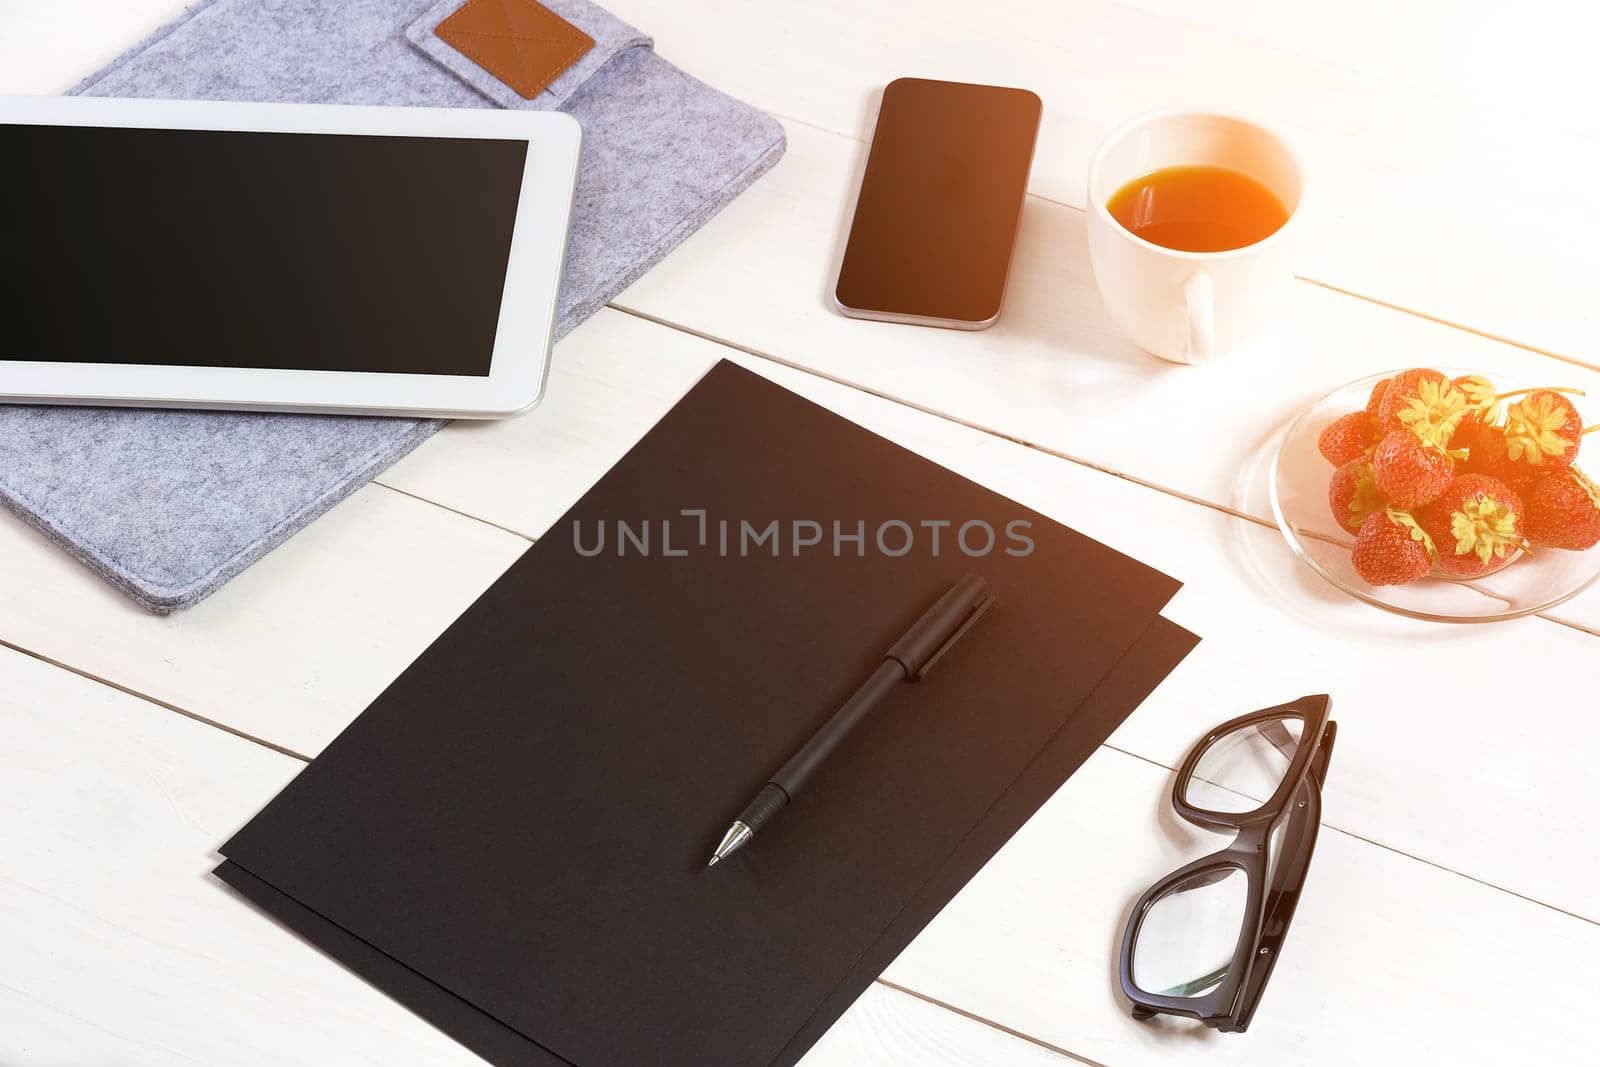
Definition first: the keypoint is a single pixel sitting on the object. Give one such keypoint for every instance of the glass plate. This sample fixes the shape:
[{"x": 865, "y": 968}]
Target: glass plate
[{"x": 1298, "y": 481}]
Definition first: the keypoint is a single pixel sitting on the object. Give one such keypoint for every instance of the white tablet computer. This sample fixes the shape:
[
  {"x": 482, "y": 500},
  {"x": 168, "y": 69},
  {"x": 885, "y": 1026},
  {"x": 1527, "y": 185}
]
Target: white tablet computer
[{"x": 275, "y": 257}]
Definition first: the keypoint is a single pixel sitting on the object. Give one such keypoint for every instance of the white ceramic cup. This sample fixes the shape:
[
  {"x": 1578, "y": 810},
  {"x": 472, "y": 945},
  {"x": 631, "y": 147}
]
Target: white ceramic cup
[{"x": 1190, "y": 306}]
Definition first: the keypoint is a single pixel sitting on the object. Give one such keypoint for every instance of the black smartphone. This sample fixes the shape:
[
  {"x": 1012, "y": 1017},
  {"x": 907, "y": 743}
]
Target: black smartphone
[{"x": 940, "y": 203}]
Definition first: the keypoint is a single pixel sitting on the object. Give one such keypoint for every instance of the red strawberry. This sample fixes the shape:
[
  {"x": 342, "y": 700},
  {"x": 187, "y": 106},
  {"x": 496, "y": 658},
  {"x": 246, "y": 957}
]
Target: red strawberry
[
  {"x": 1392, "y": 549},
  {"x": 1475, "y": 524},
  {"x": 1375, "y": 398},
  {"x": 1487, "y": 454},
  {"x": 1564, "y": 510},
  {"x": 1352, "y": 494},
  {"x": 1409, "y": 471},
  {"x": 1424, "y": 402},
  {"x": 1483, "y": 406},
  {"x": 1402, "y": 388},
  {"x": 1346, "y": 438},
  {"x": 1543, "y": 429}
]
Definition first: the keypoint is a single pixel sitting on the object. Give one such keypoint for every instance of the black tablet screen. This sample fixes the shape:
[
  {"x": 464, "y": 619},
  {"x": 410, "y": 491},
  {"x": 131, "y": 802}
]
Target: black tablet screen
[{"x": 289, "y": 251}]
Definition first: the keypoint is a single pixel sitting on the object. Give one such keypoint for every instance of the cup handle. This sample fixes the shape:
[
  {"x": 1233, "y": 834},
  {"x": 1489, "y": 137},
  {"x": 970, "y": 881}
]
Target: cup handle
[{"x": 1197, "y": 298}]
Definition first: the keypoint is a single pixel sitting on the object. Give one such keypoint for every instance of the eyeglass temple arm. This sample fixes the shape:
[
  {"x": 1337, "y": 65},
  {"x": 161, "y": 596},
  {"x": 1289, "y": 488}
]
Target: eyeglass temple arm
[
  {"x": 1274, "y": 731},
  {"x": 1196, "y": 985},
  {"x": 1289, "y": 876},
  {"x": 1319, "y": 763}
]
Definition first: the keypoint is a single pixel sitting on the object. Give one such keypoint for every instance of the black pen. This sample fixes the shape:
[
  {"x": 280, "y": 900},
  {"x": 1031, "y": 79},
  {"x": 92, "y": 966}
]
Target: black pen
[{"x": 908, "y": 660}]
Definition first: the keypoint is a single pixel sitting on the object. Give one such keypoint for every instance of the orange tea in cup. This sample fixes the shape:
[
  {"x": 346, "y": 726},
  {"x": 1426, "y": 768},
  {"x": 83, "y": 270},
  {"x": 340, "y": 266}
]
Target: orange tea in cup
[{"x": 1197, "y": 209}]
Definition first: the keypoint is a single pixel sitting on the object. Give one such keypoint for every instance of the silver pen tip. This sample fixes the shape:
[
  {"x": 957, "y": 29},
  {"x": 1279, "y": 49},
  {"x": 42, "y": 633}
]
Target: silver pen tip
[{"x": 732, "y": 841}]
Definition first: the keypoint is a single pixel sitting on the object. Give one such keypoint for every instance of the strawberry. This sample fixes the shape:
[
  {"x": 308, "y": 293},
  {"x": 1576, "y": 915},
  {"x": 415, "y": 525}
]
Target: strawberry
[
  {"x": 1345, "y": 438},
  {"x": 1375, "y": 398},
  {"x": 1564, "y": 510},
  {"x": 1424, "y": 402},
  {"x": 1409, "y": 471},
  {"x": 1483, "y": 406},
  {"x": 1474, "y": 524},
  {"x": 1352, "y": 494},
  {"x": 1392, "y": 549},
  {"x": 1487, "y": 454},
  {"x": 1543, "y": 429},
  {"x": 1400, "y": 389}
]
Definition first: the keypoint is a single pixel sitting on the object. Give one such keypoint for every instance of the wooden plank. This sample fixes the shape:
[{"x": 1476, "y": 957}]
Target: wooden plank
[
  {"x": 609, "y": 383},
  {"x": 888, "y": 1026},
  {"x": 120, "y": 948},
  {"x": 49, "y": 48},
  {"x": 1418, "y": 199},
  {"x": 291, "y": 649},
  {"x": 1388, "y": 961},
  {"x": 1532, "y": 59},
  {"x": 1054, "y": 373}
]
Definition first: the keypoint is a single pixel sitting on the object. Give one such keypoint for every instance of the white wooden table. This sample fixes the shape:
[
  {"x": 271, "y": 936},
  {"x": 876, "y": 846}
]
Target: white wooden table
[{"x": 1452, "y": 909}]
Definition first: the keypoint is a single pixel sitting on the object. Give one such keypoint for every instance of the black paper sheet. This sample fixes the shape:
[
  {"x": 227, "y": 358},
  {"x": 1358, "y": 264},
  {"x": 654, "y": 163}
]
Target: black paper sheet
[
  {"x": 1157, "y": 652},
  {"x": 512, "y": 839}
]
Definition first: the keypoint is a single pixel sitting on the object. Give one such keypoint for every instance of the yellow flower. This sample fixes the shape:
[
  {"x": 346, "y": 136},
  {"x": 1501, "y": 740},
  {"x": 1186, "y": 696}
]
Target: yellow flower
[
  {"x": 1435, "y": 412},
  {"x": 1484, "y": 527},
  {"x": 1533, "y": 428},
  {"x": 1480, "y": 396}
]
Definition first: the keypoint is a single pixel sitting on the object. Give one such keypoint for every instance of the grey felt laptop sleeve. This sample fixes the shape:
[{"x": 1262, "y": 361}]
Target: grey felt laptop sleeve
[{"x": 169, "y": 505}]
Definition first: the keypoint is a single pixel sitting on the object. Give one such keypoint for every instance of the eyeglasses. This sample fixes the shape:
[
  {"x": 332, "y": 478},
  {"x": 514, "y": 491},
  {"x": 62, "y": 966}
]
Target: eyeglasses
[{"x": 1203, "y": 941}]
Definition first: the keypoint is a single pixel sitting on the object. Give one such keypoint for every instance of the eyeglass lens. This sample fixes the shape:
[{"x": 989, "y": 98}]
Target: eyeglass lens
[
  {"x": 1188, "y": 936},
  {"x": 1241, "y": 769}
]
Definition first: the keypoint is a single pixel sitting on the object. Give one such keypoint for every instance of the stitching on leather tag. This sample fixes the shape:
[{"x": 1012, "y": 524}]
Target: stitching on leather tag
[{"x": 523, "y": 43}]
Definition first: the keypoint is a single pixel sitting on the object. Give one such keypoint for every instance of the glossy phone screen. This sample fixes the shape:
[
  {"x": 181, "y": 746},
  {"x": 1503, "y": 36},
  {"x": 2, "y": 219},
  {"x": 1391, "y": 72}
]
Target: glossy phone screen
[{"x": 940, "y": 202}]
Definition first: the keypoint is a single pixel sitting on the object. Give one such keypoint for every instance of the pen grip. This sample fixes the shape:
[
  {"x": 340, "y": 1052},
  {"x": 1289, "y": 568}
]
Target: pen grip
[
  {"x": 766, "y": 804},
  {"x": 794, "y": 774}
]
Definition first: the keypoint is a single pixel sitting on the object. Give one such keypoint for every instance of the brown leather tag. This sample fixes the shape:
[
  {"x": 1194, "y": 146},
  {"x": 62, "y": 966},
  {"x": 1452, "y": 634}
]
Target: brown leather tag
[{"x": 523, "y": 43}]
